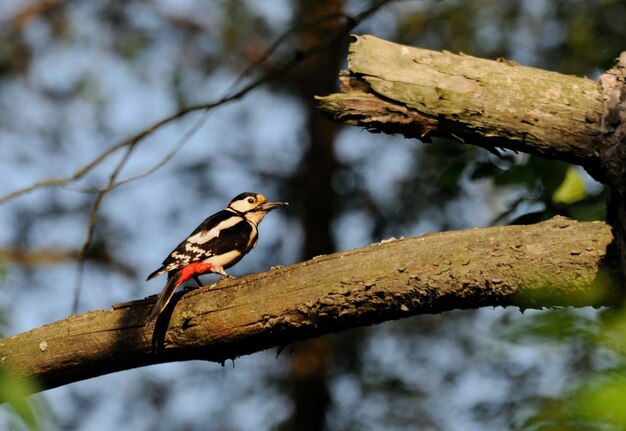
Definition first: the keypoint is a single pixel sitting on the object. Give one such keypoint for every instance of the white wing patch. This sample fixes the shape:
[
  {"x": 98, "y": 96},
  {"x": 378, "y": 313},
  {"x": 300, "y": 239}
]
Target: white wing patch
[
  {"x": 207, "y": 235},
  {"x": 193, "y": 249},
  {"x": 180, "y": 257}
]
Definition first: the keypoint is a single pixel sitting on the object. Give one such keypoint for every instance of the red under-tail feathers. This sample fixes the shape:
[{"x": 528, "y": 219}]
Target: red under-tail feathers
[{"x": 175, "y": 279}]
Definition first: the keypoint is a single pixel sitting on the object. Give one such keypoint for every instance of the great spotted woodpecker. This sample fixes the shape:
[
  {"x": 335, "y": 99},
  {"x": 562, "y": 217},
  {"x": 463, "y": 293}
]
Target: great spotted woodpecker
[{"x": 218, "y": 242}]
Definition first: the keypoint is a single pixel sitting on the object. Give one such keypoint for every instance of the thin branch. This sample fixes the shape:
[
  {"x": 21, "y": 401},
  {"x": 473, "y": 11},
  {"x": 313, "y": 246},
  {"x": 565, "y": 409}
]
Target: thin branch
[
  {"x": 46, "y": 256},
  {"x": 279, "y": 41},
  {"x": 60, "y": 181},
  {"x": 297, "y": 58},
  {"x": 28, "y": 258},
  {"x": 170, "y": 155},
  {"x": 91, "y": 225}
]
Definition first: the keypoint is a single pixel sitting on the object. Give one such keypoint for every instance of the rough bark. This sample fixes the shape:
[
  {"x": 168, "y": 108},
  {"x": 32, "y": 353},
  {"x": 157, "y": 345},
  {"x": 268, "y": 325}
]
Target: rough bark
[
  {"x": 421, "y": 94},
  {"x": 559, "y": 262},
  {"x": 613, "y": 152}
]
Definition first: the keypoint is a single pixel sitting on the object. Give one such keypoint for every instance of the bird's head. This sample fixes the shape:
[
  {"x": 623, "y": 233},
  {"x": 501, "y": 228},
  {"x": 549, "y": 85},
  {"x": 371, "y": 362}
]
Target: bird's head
[{"x": 253, "y": 206}]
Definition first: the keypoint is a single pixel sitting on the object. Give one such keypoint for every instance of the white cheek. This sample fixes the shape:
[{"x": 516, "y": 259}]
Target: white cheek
[{"x": 241, "y": 206}]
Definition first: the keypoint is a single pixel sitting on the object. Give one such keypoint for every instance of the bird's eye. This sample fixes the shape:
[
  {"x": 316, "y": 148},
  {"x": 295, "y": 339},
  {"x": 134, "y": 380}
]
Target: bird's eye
[{"x": 250, "y": 200}]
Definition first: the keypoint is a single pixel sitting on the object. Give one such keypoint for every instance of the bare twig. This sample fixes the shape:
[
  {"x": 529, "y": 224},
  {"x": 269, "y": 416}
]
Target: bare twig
[
  {"x": 28, "y": 258},
  {"x": 297, "y": 58},
  {"x": 60, "y": 181},
  {"x": 201, "y": 120},
  {"x": 279, "y": 41},
  {"x": 49, "y": 256},
  {"x": 91, "y": 225}
]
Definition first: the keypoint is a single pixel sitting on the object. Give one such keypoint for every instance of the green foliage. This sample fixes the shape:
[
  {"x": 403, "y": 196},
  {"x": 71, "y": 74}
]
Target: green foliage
[
  {"x": 601, "y": 401},
  {"x": 571, "y": 190},
  {"x": 596, "y": 398},
  {"x": 556, "y": 188},
  {"x": 14, "y": 395},
  {"x": 14, "y": 392},
  {"x": 554, "y": 326}
]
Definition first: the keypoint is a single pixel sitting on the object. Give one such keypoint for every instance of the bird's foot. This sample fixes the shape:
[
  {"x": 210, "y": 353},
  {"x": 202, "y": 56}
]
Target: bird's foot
[{"x": 220, "y": 270}]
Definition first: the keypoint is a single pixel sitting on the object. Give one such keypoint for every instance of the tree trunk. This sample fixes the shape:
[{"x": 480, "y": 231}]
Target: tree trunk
[
  {"x": 307, "y": 382},
  {"x": 558, "y": 262}
]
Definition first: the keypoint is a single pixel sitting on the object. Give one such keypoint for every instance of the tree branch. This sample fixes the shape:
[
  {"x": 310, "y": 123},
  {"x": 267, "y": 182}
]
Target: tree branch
[
  {"x": 421, "y": 94},
  {"x": 558, "y": 262}
]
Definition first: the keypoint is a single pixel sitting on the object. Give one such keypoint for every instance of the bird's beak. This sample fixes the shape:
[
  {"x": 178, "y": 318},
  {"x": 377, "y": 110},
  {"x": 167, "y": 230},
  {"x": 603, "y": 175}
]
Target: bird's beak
[{"x": 269, "y": 205}]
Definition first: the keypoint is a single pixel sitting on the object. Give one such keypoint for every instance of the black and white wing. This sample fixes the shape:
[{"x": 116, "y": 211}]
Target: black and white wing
[{"x": 225, "y": 233}]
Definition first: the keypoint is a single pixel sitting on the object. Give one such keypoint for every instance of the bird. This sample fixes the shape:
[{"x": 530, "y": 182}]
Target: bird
[{"x": 218, "y": 243}]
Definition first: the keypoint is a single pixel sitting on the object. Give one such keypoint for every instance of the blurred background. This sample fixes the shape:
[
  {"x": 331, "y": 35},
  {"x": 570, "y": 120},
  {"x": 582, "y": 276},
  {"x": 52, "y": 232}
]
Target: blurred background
[{"x": 78, "y": 78}]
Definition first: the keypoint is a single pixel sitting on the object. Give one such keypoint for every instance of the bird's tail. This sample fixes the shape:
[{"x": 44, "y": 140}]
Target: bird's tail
[{"x": 164, "y": 297}]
